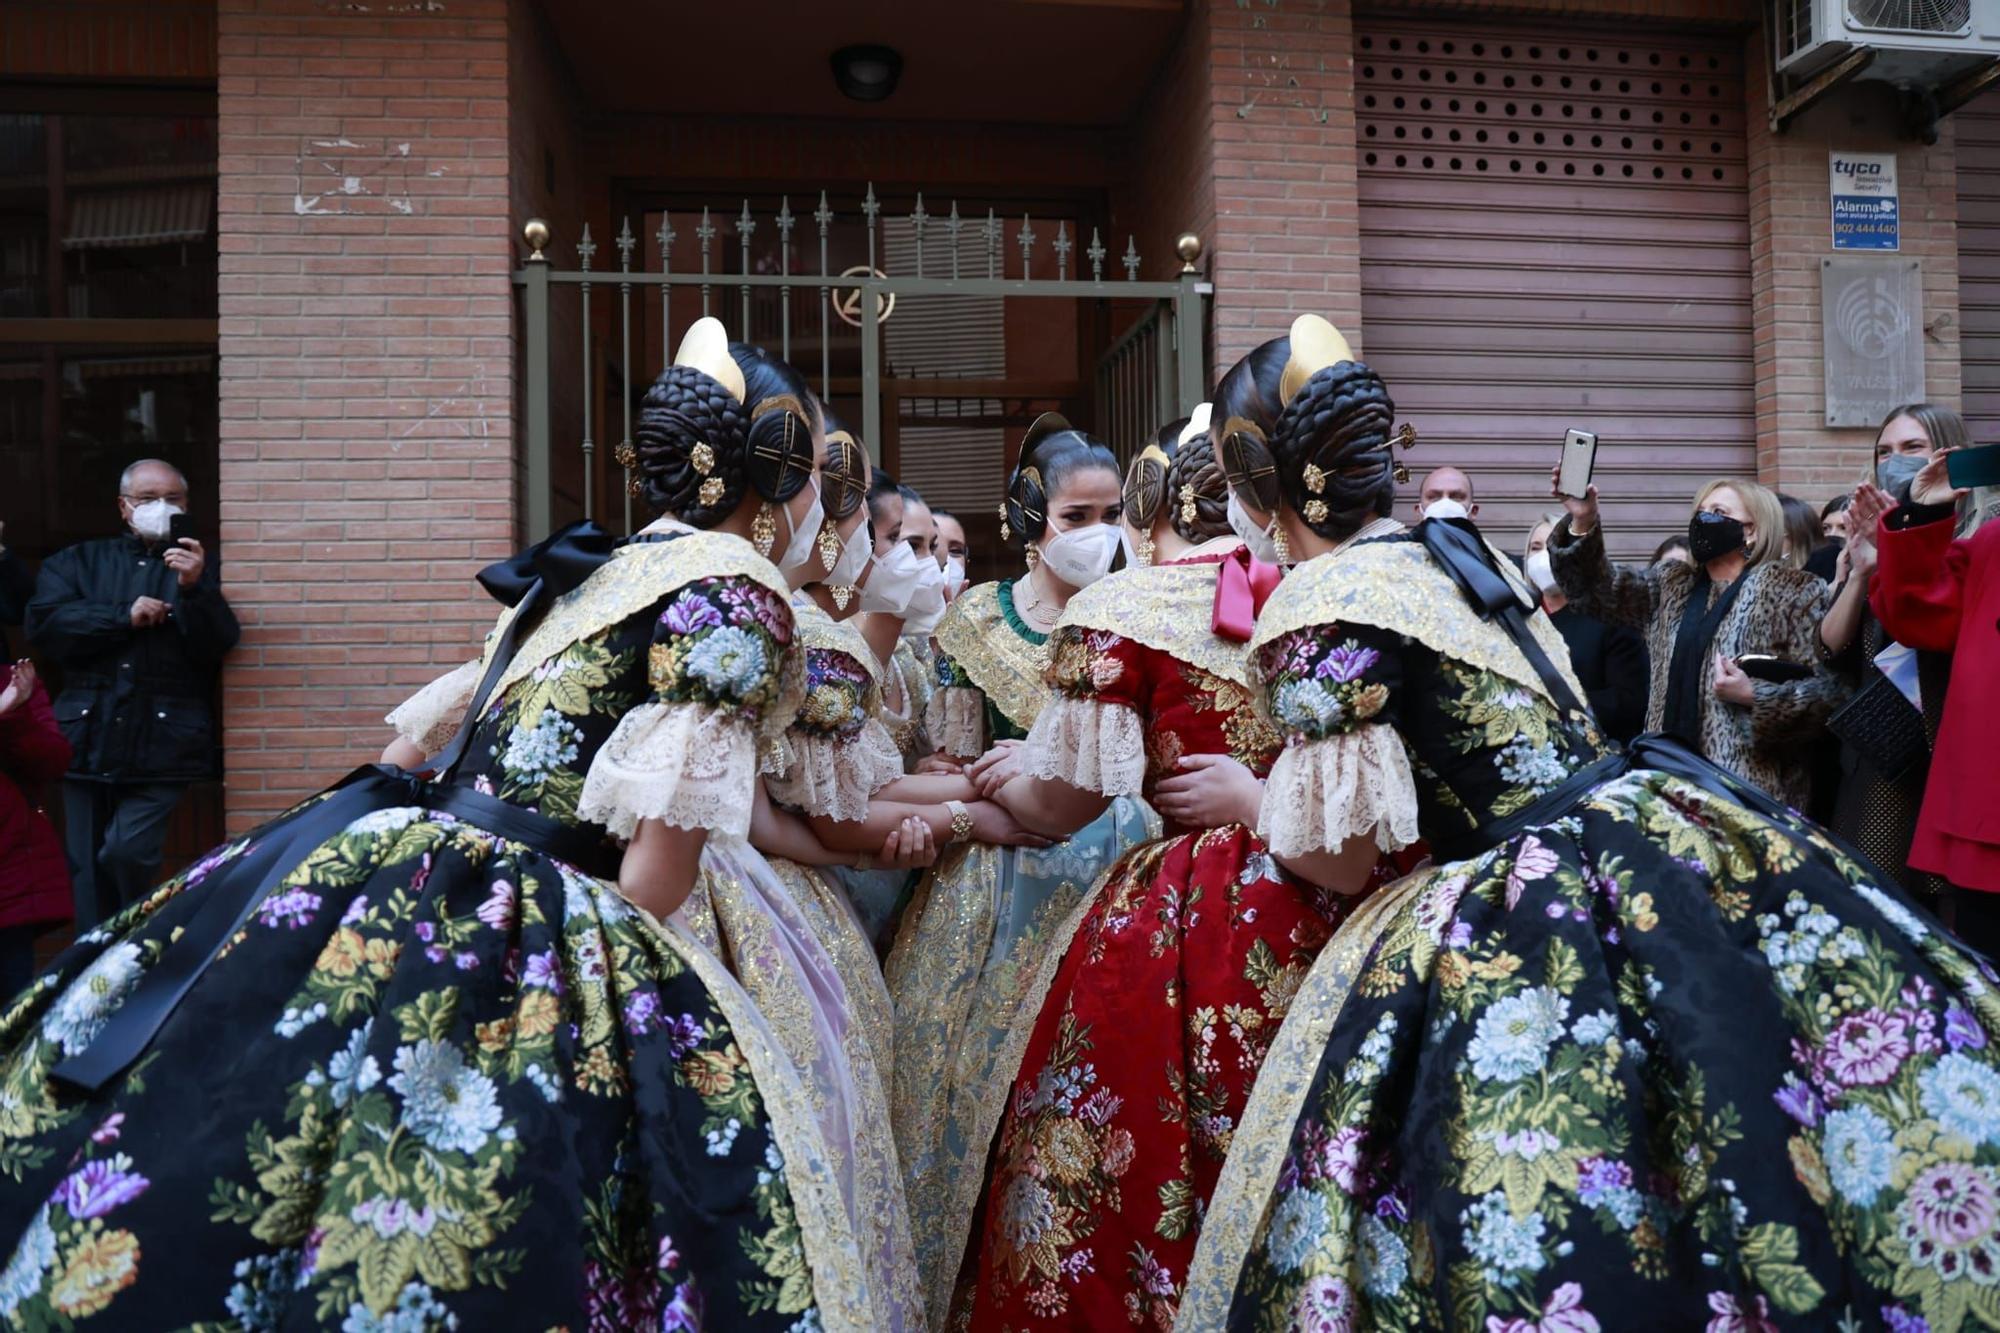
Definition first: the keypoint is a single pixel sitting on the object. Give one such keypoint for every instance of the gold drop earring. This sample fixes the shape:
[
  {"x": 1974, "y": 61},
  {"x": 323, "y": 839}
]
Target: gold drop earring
[
  {"x": 1279, "y": 545},
  {"x": 841, "y": 593},
  {"x": 764, "y": 531},
  {"x": 1034, "y": 557},
  {"x": 829, "y": 546},
  {"x": 1146, "y": 549}
]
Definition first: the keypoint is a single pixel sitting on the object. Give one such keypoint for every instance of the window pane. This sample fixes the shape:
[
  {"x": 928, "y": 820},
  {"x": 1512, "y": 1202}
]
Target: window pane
[
  {"x": 112, "y": 408},
  {"x": 24, "y": 217},
  {"x": 139, "y": 216}
]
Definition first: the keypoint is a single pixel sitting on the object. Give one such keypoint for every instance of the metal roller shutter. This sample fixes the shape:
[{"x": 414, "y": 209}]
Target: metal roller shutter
[
  {"x": 1555, "y": 233},
  {"x": 1978, "y": 131}
]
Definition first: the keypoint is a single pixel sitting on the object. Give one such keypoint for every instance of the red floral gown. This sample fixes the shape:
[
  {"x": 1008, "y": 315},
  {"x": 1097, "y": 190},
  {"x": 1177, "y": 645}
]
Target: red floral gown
[{"x": 1158, "y": 1014}]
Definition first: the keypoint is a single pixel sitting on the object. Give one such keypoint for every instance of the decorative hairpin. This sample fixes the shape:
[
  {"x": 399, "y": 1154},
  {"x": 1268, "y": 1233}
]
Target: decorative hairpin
[{"x": 1315, "y": 345}]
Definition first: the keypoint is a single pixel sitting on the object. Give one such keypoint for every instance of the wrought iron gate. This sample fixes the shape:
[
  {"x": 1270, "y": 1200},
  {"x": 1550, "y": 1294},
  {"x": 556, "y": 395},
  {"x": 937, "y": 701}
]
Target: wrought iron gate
[{"x": 1151, "y": 373}]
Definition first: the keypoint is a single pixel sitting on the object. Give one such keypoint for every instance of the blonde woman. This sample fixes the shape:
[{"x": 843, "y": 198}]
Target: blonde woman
[{"x": 1737, "y": 599}]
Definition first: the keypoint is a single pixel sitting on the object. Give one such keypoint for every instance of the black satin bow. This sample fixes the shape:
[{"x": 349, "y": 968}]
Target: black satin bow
[{"x": 562, "y": 561}]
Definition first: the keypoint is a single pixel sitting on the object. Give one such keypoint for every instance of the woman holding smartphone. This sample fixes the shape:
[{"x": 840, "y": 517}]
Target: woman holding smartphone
[{"x": 1737, "y": 600}]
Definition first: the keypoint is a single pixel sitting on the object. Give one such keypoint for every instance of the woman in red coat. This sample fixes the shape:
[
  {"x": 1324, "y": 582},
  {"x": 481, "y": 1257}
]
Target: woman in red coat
[
  {"x": 1932, "y": 592},
  {"x": 34, "y": 881}
]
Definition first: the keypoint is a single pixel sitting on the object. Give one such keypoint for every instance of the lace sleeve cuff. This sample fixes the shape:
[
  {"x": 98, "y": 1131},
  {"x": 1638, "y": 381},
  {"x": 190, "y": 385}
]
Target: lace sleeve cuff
[
  {"x": 1322, "y": 793},
  {"x": 1088, "y": 743},
  {"x": 430, "y": 717},
  {"x": 956, "y": 719},
  {"x": 835, "y": 775},
  {"x": 683, "y": 764}
]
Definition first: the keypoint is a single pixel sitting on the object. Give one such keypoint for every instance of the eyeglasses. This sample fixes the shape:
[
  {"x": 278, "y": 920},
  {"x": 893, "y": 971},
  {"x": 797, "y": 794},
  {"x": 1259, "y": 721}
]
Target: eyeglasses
[{"x": 171, "y": 497}]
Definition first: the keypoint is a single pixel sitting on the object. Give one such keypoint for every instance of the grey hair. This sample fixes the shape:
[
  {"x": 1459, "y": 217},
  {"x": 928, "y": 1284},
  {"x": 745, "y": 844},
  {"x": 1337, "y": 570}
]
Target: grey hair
[{"x": 125, "y": 477}]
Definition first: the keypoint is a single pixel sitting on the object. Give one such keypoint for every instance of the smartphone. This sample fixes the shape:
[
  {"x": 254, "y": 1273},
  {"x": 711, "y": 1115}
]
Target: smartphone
[
  {"x": 177, "y": 528},
  {"x": 1578, "y": 461},
  {"x": 1763, "y": 666},
  {"x": 1968, "y": 468}
]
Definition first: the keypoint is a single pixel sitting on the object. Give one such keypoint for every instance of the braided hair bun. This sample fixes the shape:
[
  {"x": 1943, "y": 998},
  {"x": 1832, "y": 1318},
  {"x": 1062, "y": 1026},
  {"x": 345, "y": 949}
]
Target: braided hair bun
[
  {"x": 1326, "y": 454},
  {"x": 691, "y": 440},
  {"x": 699, "y": 448},
  {"x": 1197, "y": 492},
  {"x": 1145, "y": 488}
]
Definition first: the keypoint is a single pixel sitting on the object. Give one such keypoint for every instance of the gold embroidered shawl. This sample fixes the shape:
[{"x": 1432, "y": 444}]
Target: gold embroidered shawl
[
  {"x": 1168, "y": 607},
  {"x": 634, "y": 578},
  {"x": 817, "y": 629},
  {"x": 1005, "y": 667},
  {"x": 1396, "y": 586}
]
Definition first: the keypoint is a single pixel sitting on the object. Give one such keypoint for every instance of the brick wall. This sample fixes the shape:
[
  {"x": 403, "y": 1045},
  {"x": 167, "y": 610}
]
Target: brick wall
[
  {"x": 1287, "y": 237},
  {"x": 1790, "y": 235},
  {"x": 366, "y": 444}
]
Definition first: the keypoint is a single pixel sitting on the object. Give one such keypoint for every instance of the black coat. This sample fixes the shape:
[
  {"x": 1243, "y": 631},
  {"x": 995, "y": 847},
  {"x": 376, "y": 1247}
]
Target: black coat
[
  {"x": 135, "y": 702},
  {"x": 1611, "y": 664}
]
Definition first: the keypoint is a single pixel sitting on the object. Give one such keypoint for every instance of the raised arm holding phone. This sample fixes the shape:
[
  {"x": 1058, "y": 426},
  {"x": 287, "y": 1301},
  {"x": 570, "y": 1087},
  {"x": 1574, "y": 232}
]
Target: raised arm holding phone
[{"x": 1736, "y": 670}]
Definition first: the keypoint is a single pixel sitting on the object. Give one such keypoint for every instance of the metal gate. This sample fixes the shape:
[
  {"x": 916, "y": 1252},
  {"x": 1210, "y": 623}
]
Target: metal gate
[{"x": 1151, "y": 373}]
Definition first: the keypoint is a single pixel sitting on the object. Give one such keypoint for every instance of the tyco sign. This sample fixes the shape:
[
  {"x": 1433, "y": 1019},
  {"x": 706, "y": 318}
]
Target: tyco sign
[{"x": 1863, "y": 188}]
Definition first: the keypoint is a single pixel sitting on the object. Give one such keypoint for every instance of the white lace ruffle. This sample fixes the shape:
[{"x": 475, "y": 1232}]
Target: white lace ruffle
[
  {"x": 430, "y": 717},
  {"x": 683, "y": 764},
  {"x": 956, "y": 720},
  {"x": 1088, "y": 743},
  {"x": 835, "y": 775},
  {"x": 1322, "y": 793}
]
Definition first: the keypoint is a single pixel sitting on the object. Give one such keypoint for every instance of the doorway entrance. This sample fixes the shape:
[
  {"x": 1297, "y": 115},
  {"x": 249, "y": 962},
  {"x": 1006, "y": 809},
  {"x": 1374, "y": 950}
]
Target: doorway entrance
[{"x": 937, "y": 330}]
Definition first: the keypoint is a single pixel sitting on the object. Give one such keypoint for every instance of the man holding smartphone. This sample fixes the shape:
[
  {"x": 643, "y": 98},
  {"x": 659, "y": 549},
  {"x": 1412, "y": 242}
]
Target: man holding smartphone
[{"x": 137, "y": 625}]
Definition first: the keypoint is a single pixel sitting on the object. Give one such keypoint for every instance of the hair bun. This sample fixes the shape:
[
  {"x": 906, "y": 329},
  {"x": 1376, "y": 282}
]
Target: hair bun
[
  {"x": 1025, "y": 512},
  {"x": 689, "y": 447},
  {"x": 1146, "y": 481},
  {"x": 1333, "y": 448},
  {"x": 1197, "y": 491}
]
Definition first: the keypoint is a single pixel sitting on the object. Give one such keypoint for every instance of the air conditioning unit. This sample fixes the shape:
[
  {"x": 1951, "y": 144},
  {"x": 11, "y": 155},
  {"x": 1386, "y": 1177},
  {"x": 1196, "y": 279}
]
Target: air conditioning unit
[{"x": 1921, "y": 42}]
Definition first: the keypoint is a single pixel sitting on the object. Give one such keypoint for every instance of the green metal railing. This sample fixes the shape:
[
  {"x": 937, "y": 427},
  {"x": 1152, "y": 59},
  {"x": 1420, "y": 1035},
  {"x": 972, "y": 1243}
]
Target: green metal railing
[{"x": 1155, "y": 371}]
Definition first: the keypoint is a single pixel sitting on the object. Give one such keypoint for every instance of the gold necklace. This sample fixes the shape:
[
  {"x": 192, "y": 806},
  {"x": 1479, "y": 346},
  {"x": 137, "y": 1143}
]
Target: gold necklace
[{"x": 1036, "y": 604}]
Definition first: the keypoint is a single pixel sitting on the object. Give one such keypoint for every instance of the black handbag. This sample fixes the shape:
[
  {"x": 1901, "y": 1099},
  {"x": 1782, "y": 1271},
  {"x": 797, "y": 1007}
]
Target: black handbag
[{"x": 1884, "y": 728}]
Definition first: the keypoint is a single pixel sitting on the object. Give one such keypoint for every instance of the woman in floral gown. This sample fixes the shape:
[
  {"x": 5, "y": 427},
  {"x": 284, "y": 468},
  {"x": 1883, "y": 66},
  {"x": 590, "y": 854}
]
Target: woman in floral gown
[
  {"x": 1646, "y": 1051},
  {"x": 976, "y": 930},
  {"x": 431, "y": 1054},
  {"x": 1115, "y": 1130}
]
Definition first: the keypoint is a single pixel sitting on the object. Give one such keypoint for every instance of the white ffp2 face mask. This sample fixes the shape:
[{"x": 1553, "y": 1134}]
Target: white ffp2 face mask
[
  {"x": 954, "y": 576},
  {"x": 1262, "y": 545},
  {"x": 893, "y": 581},
  {"x": 927, "y": 601},
  {"x": 154, "y": 520},
  {"x": 855, "y": 549},
  {"x": 804, "y": 545},
  {"x": 1082, "y": 556},
  {"x": 1540, "y": 572},
  {"x": 1446, "y": 508}
]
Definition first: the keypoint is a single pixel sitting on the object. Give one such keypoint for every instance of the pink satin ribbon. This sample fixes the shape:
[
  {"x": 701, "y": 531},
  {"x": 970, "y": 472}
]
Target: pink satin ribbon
[{"x": 1241, "y": 586}]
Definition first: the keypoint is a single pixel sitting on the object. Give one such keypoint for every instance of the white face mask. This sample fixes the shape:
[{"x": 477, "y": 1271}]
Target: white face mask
[
  {"x": 854, "y": 552},
  {"x": 954, "y": 576},
  {"x": 154, "y": 519},
  {"x": 1262, "y": 545},
  {"x": 1082, "y": 556},
  {"x": 1540, "y": 572},
  {"x": 804, "y": 545},
  {"x": 927, "y": 602},
  {"x": 1446, "y": 508},
  {"x": 893, "y": 581}
]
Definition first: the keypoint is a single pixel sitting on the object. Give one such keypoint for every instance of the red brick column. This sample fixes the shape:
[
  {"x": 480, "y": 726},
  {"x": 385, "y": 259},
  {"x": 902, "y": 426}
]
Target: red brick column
[
  {"x": 367, "y": 451},
  {"x": 1790, "y": 233},
  {"x": 1287, "y": 235}
]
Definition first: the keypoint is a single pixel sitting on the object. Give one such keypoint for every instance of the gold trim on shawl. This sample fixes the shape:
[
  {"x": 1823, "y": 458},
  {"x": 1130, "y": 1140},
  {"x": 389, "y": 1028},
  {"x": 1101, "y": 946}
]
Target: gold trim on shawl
[
  {"x": 1396, "y": 586},
  {"x": 817, "y": 629},
  {"x": 840, "y": 1286},
  {"x": 1248, "y": 1182},
  {"x": 1168, "y": 607},
  {"x": 1005, "y": 667},
  {"x": 635, "y": 577}
]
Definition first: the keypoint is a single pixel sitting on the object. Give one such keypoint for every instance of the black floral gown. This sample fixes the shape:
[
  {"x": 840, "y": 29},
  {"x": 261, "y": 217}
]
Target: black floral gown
[
  {"x": 1655, "y": 1061},
  {"x": 442, "y": 1079}
]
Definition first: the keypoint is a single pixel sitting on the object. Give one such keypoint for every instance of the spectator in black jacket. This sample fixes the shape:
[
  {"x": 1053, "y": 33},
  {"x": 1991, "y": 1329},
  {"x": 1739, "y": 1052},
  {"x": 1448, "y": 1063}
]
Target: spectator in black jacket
[
  {"x": 138, "y": 625},
  {"x": 1610, "y": 660}
]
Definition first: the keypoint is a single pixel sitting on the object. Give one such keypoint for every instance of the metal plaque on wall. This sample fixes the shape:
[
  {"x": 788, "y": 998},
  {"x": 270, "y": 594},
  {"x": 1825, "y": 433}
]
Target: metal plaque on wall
[{"x": 1872, "y": 315}]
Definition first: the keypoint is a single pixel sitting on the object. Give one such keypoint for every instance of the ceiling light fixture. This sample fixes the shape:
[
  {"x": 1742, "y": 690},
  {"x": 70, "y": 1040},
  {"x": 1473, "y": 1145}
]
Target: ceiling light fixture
[{"x": 867, "y": 73}]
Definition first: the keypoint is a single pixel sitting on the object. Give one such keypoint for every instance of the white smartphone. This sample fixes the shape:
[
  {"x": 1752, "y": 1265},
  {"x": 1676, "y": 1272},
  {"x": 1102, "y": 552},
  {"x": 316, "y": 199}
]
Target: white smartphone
[{"x": 1578, "y": 460}]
